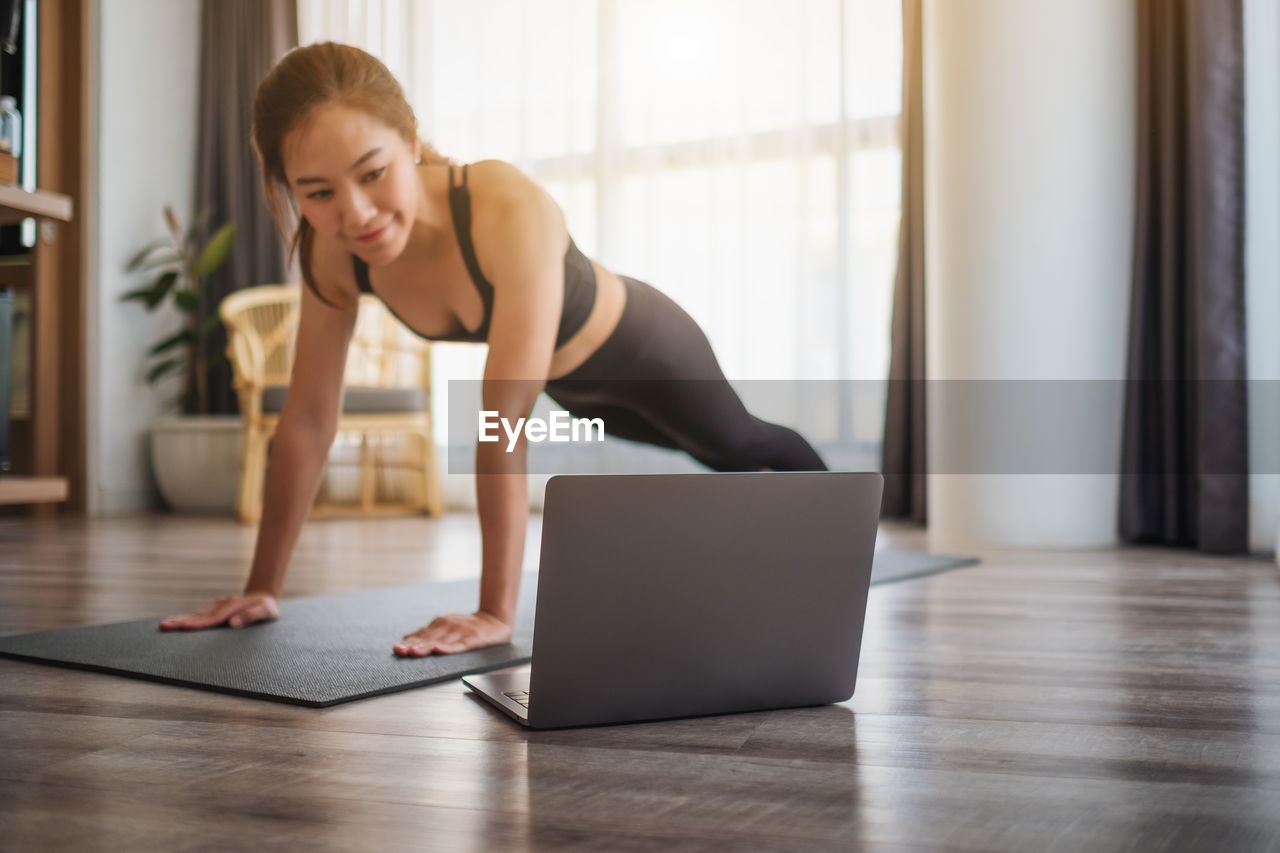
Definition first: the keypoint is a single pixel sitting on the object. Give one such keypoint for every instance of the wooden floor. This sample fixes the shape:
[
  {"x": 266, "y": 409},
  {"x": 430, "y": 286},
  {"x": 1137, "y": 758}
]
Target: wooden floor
[{"x": 1115, "y": 700}]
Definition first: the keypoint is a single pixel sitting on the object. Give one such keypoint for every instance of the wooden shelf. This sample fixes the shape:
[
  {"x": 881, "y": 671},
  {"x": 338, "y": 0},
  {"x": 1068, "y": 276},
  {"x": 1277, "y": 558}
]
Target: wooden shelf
[
  {"x": 52, "y": 442},
  {"x": 16, "y": 204},
  {"x": 32, "y": 490}
]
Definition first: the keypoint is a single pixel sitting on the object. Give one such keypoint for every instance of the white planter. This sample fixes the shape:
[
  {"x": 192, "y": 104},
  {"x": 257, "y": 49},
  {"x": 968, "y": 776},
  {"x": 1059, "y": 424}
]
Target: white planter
[{"x": 196, "y": 459}]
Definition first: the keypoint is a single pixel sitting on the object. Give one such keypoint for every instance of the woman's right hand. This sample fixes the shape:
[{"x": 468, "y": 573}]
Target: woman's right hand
[{"x": 235, "y": 611}]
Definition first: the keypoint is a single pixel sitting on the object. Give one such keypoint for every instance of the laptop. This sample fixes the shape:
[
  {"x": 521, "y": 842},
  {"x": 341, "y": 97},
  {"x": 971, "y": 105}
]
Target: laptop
[{"x": 681, "y": 595}]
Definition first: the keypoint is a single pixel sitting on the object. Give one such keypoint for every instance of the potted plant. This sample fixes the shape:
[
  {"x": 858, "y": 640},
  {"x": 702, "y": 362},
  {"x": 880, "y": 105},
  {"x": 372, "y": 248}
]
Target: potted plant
[{"x": 195, "y": 455}]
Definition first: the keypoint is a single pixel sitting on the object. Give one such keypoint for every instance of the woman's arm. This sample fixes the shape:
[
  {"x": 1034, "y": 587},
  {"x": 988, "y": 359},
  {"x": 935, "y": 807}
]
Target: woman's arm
[
  {"x": 299, "y": 449},
  {"x": 520, "y": 239},
  {"x": 527, "y": 237}
]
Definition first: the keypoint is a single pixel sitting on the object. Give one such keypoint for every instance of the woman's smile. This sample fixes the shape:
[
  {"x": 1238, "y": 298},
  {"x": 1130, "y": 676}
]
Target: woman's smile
[{"x": 373, "y": 236}]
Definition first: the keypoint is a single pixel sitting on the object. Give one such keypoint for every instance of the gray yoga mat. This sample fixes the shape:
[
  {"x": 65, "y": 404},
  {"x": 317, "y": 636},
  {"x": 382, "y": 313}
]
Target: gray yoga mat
[
  {"x": 324, "y": 650},
  {"x": 329, "y": 649},
  {"x": 889, "y": 566}
]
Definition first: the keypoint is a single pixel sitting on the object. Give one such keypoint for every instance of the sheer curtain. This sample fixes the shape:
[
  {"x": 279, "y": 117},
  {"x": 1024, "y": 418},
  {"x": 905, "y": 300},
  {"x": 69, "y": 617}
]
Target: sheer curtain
[{"x": 740, "y": 155}]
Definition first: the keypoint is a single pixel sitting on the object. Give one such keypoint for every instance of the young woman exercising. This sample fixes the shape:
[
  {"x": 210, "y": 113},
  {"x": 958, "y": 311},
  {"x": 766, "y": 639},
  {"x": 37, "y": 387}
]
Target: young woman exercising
[{"x": 460, "y": 253}]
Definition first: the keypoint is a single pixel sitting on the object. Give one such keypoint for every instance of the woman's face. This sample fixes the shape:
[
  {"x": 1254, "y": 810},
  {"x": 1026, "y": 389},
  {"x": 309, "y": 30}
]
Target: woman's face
[{"x": 355, "y": 181}]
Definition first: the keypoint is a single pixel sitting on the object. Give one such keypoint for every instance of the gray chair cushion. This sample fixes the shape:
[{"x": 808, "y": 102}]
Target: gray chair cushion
[{"x": 358, "y": 401}]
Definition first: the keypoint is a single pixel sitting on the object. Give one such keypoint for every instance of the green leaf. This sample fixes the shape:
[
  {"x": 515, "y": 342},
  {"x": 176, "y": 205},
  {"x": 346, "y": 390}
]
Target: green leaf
[
  {"x": 180, "y": 339},
  {"x": 164, "y": 368},
  {"x": 171, "y": 259},
  {"x": 144, "y": 252},
  {"x": 142, "y": 294},
  {"x": 187, "y": 301},
  {"x": 160, "y": 288},
  {"x": 175, "y": 227},
  {"x": 215, "y": 251},
  {"x": 210, "y": 323}
]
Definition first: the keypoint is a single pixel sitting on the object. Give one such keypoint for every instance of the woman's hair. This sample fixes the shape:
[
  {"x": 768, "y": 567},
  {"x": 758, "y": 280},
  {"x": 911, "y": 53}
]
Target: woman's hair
[{"x": 305, "y": 79}]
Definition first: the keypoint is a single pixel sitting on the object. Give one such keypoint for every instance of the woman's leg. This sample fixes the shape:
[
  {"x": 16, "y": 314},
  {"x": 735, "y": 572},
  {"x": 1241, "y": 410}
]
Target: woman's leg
[
  {"x": 659, "y": 365},
  {"x": 708, "y": 420}
]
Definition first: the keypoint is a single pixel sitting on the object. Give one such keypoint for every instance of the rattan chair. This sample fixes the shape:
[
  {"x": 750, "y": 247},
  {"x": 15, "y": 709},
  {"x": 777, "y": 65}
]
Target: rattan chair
[{"x": 388, "y": 393}]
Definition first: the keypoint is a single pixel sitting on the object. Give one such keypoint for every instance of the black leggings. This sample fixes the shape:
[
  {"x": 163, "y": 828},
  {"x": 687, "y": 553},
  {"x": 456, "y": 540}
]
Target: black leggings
[{"x": 656, "y": 380}]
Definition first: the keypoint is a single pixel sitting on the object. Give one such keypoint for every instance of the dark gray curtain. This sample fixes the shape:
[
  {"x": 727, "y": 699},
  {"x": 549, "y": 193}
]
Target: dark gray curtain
[
  {"x": 903, "y": 453},
  {"x": 240, "y": 41},
  {"x": 1185, "y": 455}
]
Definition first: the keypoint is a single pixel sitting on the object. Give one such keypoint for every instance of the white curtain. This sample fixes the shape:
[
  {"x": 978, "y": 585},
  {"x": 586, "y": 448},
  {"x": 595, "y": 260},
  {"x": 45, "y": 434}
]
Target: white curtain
[{"x": 740, "y": 155}]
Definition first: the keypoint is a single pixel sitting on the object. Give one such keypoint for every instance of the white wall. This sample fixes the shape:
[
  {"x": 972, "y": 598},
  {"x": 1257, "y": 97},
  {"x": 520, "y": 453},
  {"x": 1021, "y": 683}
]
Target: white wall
[
  {"x": 146, "y": 102},
  {"x": 1029, "y": 165},
  {"x": 1262, "y": 264}
]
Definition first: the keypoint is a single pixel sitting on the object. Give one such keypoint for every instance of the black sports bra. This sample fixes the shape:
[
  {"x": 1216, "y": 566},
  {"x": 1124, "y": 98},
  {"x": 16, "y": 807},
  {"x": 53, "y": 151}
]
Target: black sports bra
[{"x": 579, "y": 276}]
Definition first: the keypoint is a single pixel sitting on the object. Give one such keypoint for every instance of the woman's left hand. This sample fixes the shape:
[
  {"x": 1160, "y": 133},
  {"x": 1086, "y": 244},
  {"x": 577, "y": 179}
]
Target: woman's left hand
[{"x": 457, "y": 632}]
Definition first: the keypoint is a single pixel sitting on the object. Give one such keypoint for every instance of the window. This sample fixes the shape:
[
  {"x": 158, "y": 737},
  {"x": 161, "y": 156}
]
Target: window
[{"x": 740, "y": 155}]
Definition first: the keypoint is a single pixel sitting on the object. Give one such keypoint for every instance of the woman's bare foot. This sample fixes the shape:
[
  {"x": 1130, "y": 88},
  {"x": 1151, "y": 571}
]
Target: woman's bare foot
[{"x": 457, "y": 632}]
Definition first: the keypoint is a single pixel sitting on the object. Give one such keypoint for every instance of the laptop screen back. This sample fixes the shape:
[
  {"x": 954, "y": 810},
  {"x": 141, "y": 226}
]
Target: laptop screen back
[{"x": 675, "y": 595}]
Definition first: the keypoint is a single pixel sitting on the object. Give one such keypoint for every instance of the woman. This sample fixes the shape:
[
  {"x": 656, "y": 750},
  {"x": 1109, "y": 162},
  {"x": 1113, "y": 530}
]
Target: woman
[{"x": 474, "y": 253}]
